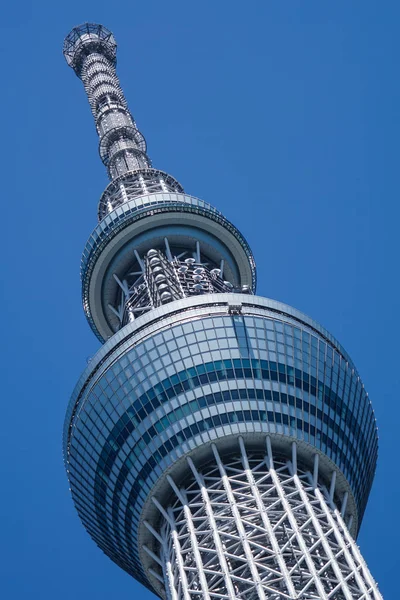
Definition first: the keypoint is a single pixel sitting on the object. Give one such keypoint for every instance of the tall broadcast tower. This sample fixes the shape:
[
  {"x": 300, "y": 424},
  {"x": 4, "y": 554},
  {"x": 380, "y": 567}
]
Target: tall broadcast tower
[{"x": 219, "y": 445}]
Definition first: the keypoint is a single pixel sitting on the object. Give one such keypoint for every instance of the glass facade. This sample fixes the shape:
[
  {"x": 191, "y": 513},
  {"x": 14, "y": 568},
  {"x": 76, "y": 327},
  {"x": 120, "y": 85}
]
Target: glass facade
[{"x": 151, "y": 396}]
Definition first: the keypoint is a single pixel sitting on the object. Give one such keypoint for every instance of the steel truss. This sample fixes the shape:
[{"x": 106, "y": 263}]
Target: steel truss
[
  {"x": 249, "y": 527},
  {"x": 91, "y": 51},
  {"x": 160, "y": 277}
]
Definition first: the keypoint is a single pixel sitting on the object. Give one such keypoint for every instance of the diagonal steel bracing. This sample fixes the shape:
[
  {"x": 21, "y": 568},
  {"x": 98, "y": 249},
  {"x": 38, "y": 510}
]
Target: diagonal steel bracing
[{"x": 257, "y": 527}]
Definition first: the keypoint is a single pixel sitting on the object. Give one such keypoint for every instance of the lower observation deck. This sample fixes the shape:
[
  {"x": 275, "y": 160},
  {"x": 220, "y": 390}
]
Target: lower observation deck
[{"x": 206, "y": 370}]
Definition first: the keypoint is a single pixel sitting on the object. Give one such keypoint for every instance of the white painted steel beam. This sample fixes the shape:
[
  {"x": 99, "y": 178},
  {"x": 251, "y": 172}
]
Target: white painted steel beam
[
  {"x": 300, "y": 540},
  {"x": 350, "y": 550},
  {"x": 254, "y": 527},
  {"x": 267, "y": 523},
  {"x": 239, "y": 525},
  {"x": 216, "y": 537}
]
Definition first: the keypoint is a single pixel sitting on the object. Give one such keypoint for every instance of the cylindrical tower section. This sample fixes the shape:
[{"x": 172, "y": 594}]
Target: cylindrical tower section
[
  {"x": 256, "y": 526},
  {"x": 219, "y": 445},
  {"x": 208, "y": 370},
  {"x": 91, "y": 50}
]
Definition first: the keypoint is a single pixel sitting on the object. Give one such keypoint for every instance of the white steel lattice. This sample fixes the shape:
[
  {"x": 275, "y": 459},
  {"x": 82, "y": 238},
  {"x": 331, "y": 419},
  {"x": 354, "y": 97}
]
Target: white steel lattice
[
  {"x": 90, "y": 49},
  {"x": 252, "y": 528}
]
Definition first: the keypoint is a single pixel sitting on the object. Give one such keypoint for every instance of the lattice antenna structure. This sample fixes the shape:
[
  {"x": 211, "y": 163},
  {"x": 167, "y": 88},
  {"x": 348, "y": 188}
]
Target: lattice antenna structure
[
  {"x": 219, "y": 445},
  {"x": 91, "y": 51}
]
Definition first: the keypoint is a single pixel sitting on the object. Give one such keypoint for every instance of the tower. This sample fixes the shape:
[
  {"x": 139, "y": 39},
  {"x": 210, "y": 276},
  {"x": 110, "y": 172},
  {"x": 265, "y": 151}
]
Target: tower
[{"x": 219, "y": 445}]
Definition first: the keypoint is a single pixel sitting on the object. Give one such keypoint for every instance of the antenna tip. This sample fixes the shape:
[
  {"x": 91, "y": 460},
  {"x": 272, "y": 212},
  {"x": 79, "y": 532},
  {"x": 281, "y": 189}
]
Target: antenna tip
[{"x": 86, "y": 39}]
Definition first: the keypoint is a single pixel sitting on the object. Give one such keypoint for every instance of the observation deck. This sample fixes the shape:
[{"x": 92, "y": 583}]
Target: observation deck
[
  {"x": 184, "y": 228},
  {"x": 200, "y": 371}
]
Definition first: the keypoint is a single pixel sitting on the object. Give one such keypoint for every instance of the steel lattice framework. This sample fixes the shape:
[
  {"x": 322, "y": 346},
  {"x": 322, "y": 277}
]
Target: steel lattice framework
[
  {"x": 90, "y": 50},
  {"x": 254, "y": 528},
  {"x": 219, "y": 446}
]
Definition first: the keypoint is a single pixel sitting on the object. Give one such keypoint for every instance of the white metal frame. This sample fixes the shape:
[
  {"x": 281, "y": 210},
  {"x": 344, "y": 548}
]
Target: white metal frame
[
  {"x": 254, "y": 527},
  {"x": 182, "y": 276}
]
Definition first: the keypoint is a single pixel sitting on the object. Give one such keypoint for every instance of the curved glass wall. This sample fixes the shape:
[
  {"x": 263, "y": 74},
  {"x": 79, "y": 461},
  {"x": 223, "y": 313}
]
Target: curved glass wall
[{"x": 146, "y": 404}]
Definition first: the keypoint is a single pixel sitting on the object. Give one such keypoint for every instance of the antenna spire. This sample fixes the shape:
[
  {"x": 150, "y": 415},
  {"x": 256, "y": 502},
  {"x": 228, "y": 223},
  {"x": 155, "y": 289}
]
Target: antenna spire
[{"x": 91, "y": 51}]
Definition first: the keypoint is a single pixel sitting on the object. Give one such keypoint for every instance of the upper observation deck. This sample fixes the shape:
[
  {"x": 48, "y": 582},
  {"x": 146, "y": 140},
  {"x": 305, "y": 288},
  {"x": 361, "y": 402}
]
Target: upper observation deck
[{"x": 186, "y": 230}]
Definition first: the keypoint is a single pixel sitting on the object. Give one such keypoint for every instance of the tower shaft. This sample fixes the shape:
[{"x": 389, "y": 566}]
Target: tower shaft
[
  {"x": 122, "y": 146},
  {"x": 249, "y": 527},
  {"x": 219, "y": 445}
]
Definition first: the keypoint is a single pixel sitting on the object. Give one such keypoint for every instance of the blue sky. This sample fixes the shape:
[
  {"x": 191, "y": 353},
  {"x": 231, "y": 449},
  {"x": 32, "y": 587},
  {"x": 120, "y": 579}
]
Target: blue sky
[{"x": 284, "y": 115}]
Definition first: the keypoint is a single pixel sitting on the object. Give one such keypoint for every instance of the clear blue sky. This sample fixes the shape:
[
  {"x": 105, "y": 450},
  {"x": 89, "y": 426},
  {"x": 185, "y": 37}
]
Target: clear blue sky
[{"x": 284, "y": 115}]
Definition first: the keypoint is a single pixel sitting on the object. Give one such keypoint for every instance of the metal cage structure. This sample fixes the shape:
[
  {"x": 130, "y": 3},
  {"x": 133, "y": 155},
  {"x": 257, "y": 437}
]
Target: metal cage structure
[
  {"x": 219, "y": 445},
  {"x": 257, "y": 528}
]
